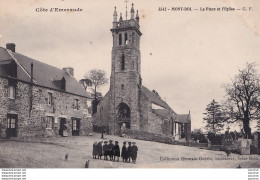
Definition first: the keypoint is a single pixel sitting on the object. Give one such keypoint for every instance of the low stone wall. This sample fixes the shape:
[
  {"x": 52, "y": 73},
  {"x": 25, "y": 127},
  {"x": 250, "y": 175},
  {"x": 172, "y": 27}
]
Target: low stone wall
[
  {"x": 148, "y": 136},
  {"x": 161, "y": 138}
]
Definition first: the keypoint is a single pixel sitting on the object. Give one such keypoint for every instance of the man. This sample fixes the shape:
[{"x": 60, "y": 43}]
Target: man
[
  {"x": 124, "y": 152},
  {"x": 116, "y": 151},
  {"x": 129, "y": 152},
  {"x": 106, "y": 150},
  {"x": 110, "y": 147},
  {"x": 134, "y": 150}
]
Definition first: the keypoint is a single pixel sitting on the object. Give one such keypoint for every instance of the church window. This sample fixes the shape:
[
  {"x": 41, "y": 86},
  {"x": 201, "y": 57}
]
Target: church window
[
  {"x": 123, "y": 62},
  {"x": 122, "y": 86},
  {"x": 126, "y": 38},
  {"x": 133, "y": 38},
  {"x": 120, "y": 39}
]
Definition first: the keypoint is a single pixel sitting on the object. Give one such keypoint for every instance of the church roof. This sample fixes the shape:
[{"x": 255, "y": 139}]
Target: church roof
[
  {"x": 165, "y": 113},
  {"x": 43, "y": 74},
  {"x": 154, "y": 98},
  {"x": 182, "y": 118}
]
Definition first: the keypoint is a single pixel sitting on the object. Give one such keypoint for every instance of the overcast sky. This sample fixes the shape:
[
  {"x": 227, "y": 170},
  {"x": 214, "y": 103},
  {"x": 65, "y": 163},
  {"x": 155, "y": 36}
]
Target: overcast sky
[{"x": 186, "y": 56}]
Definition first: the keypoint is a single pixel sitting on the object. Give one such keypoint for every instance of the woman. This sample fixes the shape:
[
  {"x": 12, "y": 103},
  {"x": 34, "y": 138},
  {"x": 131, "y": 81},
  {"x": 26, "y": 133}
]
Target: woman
[{"x": 94, "y": 152}]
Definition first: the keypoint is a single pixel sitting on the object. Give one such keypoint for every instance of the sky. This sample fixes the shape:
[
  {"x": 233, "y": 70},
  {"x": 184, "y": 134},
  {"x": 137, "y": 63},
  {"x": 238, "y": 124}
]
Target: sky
[{"x": 186, "y": 56}]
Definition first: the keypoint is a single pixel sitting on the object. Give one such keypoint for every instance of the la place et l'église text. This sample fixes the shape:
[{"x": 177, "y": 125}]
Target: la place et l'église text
[{"x": 41, "y": 9}]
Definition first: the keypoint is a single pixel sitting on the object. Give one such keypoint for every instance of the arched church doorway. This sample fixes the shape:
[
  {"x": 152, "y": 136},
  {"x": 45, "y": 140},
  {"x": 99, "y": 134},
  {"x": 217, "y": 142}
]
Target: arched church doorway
[{"x": 123, "y": 117}]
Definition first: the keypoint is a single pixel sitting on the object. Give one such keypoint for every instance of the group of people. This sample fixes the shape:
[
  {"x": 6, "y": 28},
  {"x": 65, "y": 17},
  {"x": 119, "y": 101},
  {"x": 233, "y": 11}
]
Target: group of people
[{"x": 113, "y": 151}]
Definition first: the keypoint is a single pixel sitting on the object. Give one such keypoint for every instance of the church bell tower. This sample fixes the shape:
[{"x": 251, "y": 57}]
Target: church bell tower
[{"x": 125, "y": 79}]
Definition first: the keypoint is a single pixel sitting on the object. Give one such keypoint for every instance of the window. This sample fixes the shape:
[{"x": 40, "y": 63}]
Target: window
[
  {"x": 122, "y": 86},
  {"x": 11, "y": 122},
  {"x": 123, "y": 62},
  {"x": 126, "y": 38},
  {"x": 50, "y": 98},
  {"x": 133, "y": 38},
  {"x": 76, "y": 104},
  {"x": 11, "y": 92},
  {"x": 49, "y": 122},
  {"x": 74, "y": 124},
  {"x": 137, "y": 67},
  {"x": 120, "y": 39}
]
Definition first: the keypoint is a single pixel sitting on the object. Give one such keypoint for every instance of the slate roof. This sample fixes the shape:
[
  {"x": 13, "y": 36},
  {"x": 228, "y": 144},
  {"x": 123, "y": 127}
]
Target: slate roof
[
  {"x": 155, "y": 99},
  {"x": 167, "y": 112},
  {"x": 182, "y": 118},
  {"x": 43, "y": 74}
]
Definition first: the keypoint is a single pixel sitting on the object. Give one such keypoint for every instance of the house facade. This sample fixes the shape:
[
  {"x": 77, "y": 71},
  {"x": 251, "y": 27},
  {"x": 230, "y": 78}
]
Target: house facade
[
  {"x": 128, "y": 103},
  {"x": 37, "y": 99}
]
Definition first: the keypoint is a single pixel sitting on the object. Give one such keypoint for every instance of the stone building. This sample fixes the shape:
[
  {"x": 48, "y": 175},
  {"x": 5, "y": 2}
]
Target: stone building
[
  {"x": 128, "y": 104},
  {"x": 37, "y": 99}
]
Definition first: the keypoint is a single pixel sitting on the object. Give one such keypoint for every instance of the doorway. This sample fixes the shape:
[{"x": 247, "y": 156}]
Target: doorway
[
  {"x": 11, "y": 130},
  {"x": 63, "y": 126}
]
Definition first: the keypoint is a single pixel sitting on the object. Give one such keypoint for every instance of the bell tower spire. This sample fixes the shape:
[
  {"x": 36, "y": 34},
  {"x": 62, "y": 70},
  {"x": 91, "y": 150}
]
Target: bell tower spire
[
  {"x": 132, "y": 12},
  {"x": 115, "y": 18}
]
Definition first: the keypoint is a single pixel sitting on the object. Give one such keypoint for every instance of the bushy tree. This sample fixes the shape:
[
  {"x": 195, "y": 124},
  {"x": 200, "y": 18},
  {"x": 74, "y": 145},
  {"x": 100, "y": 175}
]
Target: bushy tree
[
  {"x": 214, "y": 117},
  {"x": 98, "y": 78},
  {"x": 85, "y": 83}
]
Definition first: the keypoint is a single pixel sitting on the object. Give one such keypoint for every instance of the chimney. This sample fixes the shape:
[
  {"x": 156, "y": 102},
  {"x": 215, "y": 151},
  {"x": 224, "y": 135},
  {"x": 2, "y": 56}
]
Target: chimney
[
  {"x": 10, "y": 46},
  {"x": 69, "y": 70}
]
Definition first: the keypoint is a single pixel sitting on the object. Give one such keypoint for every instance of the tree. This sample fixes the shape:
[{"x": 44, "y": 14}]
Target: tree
[
  {"x": 85, "y": 83},
  {"x": 98, "y": 78},
  {"x": 197, "y": 135},
  {"x": 243, "y": 97},
  {"x": 214, "y": 117}
]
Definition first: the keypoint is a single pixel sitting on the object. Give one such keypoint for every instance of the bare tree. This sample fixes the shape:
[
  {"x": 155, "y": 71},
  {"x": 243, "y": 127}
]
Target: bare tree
[
  {"x": 243, "y": 97},
  {"x": 98, "y": 78}
]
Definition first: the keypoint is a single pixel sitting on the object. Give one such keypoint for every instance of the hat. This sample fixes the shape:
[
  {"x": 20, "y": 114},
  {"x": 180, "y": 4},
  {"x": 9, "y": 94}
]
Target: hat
[
  {"x": 105, "y": 142},
  {"x": 110, "y": 141},
  {"x": 129, "y": 142},
  {"x": 124, "y": 142},
  {"x": 133, "y": 142},
  {"x": 116, "y": 141}
]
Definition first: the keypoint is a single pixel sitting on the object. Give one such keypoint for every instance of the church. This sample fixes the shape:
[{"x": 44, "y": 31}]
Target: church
[{"x": 128, "y": 105}]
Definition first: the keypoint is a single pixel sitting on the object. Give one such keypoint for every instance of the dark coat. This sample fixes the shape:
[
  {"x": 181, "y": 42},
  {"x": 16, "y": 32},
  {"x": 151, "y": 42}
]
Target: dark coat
[
  {"x": 134, "y": 150},
  {"x": 124, "y": 152},
  {"x": 128, "y": 151},
  {"x": 116, "y": 150},
  {"x": 110, "y": 147},
  {"x": 94, "y": 152},
  {"x": 106, "y": 149},
  {"x": 99, "y": 149}
]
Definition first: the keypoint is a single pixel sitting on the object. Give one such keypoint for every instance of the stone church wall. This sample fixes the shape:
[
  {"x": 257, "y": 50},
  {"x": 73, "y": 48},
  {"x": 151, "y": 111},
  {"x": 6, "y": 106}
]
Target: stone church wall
[
  {"x": 34, "y": 123},
  {"x": 102, "y": 117},
  {"x": 144, "y": 105}
]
